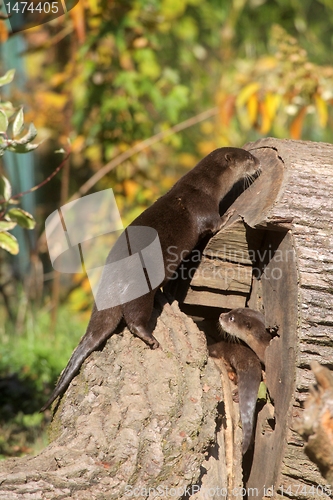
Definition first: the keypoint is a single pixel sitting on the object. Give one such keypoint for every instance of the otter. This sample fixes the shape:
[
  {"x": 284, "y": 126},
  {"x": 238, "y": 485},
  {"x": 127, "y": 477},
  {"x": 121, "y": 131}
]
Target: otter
[
  {"x": 249, "y": 326},
  {"x": 247, "y": 366},
  {"x": 186, "y": 213}
]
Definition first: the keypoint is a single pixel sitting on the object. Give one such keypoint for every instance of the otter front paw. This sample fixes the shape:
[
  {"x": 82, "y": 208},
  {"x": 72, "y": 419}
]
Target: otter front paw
[{"x": 153, "y": 343}]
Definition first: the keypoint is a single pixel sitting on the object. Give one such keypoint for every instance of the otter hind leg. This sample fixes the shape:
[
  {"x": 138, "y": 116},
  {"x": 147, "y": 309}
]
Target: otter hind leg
[
  {"x": 141, "y": 332},
  {"x": 137, "y": 314}
]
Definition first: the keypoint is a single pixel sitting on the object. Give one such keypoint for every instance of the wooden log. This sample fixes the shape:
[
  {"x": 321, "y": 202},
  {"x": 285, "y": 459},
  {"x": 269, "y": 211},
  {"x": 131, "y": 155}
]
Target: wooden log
[
  {"x": 300, "y": 302},
  {"x": 289, "y": 244}
]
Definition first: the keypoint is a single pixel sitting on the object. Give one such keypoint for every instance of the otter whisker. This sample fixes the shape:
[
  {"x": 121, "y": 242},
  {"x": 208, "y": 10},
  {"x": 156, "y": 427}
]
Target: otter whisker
[{"x": 226, "y": 335}]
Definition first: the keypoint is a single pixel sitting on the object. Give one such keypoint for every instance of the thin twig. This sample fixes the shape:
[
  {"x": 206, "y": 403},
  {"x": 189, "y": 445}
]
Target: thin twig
[{"x": 45, "y": 181}]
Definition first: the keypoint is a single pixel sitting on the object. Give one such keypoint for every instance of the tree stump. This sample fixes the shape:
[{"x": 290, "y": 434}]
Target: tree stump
[
  {"x": 137, "y": 423},
  {"x": 316, "y": 423}
]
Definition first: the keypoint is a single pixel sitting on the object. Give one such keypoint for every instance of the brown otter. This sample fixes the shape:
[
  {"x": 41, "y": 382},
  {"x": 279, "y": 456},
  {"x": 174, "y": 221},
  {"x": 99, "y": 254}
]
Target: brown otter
[
  {"x": 249, "y": 326},
  {"x": 248, "y": 376},
  {"x": 181, "y": 218}
]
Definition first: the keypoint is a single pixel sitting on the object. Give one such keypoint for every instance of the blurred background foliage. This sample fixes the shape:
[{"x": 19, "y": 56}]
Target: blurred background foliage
[{"x": 109, "y": 75}]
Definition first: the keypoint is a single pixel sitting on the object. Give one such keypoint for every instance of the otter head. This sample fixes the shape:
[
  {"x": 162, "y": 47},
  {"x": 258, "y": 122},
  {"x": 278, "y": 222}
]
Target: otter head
[
  {"x": 247, "y": 325},
  {"x": 241, "y": 162}
]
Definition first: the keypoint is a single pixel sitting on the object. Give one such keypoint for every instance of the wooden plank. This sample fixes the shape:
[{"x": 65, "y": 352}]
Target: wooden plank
[
  {"x": 279, "y": 286},
  {"x": 226, "y": 266},
  {"x": 208, "y": 298},
  {"x": 236, "y": 243},
  {"x": 217, "y": 275},
  {"x": 230, "y": 244}
]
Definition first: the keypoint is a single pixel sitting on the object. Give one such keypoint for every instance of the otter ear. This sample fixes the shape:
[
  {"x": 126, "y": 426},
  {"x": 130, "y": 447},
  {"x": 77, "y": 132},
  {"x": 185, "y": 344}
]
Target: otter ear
[{"x": 227, "y": 156}]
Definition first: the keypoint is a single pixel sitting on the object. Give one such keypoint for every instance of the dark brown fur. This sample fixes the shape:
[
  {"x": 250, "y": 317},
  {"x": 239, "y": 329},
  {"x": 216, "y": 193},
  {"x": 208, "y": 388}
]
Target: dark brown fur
[
  {"x": 181, "y": 218},
  {"x": 249, "y": 326},
  {"x": 248, "y": 371}
]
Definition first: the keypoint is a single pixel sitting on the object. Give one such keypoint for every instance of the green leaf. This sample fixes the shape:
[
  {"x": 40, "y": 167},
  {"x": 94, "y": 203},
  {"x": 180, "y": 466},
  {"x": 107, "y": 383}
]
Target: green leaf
[
  {"x": 9, "y": 242},
  {"x": 23, "y": 218},
  {"x": 8, "y": 108},
  {"x": 29, "y": 136},
  {"x": 16, "y": 147},
  {"x": 262, "y": 391},
  {"x": 18, "y": 123},
  {"x": 7, "y": 78},
  {"x": 7, "y": 225},
  {"x": 5, "y": 188},
  {"x": 3, "y": 121}
]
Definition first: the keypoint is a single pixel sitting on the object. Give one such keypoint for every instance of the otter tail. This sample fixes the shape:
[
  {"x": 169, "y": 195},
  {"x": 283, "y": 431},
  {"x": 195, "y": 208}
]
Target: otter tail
[
  {"x": 247, "y": 366},
  {"x": 249, "y": 377},
  {"x": 101, "y": 326}
]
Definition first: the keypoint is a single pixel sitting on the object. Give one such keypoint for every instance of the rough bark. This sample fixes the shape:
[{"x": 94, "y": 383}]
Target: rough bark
[
  {"x": 306, "y": 198},
  {"x": 316, "y": 425},
  {"x": 138, "y": 418},
  {"x": 132, "y": 419}
]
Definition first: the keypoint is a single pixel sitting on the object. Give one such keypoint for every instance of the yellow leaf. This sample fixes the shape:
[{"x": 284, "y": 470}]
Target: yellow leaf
[
  {"x": 206, "y": 147},
  {"x": 131, "y": 188},
  {"x": 272, "y": 102},
  {"x": 94, "y": 6},
  {"x": 52, "y": 100},
  {"x": 296, "y": 126},
  {"x": 322, "y": 111},
  {"x": 252, "y": 108},
  {"x": 266, "y": 121},
  {"x": 3, "y": 32},
  {"x": 58, "y": 79},
  {"x": 268, "y": 109},
  {"x": 93, "y": 153},
  {"x": 226, "y": 110},
  {"x": 246, "y": 93},
  {"x": 77, "y": 144}
]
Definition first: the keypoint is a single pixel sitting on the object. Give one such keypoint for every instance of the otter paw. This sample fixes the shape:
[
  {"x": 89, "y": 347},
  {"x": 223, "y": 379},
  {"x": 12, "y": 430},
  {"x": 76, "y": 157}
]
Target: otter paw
[
  {"x": 226, "y": 217},
  {"x": 154, "y": 344}
]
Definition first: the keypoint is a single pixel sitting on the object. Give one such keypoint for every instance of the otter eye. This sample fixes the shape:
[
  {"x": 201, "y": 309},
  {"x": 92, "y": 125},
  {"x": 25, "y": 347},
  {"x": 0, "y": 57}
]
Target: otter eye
[
  {"x": 248, "y": 326},
  {"x": 231, "y": 318}
]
